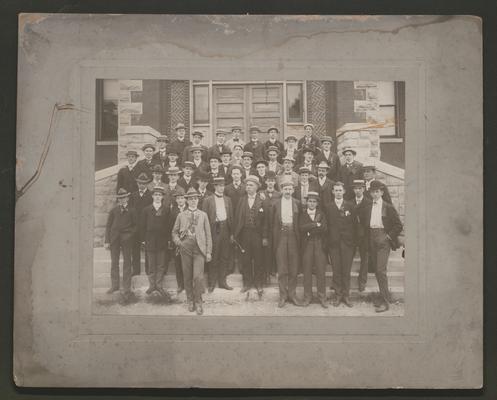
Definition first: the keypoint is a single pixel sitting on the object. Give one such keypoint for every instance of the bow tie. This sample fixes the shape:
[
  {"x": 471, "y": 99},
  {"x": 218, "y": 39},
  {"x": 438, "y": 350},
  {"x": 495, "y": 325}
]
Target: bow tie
[{"x": 218, "y": 195}]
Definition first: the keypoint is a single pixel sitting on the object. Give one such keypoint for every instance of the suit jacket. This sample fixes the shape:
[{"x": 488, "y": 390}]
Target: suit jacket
[
  {"x": 325, "y": 192},
  {"x": 333, "y": 161},
  {"x": 361, "y": 232},
  {"x": 202, "y": 229},
  {"x": 155, "y": 227},
  {"x": 187, "y": 154},
  {"x": 231, "y": 143},
  {"x": 178, "y": 147},
  {"x": 234, "y": 194},
  {"x": 342, "y": 224},
  {"x": 390, "y": 218},
  {"x": 140, "y": 202},
  {"x": 168, "y": 194},
  {"x": 348, "y": 175},
  {"x": 216, "y": 150},
  {"x": 144, "y": 166},
  {"x": 202, "y": 167},
  {"x": 209, "y": 206},
  {"x": 192, "y": 184},
  {"x": 253, "y": 171},
  {"x": 275, "y": 220},
  {"x": 127, "y": 179},
  {"x": 158, "y": 160},
  {"x": 386, "y": 195},
  {"x": 309, "y": 229},
  {"x": 256, "y": 149},
  {"x": 240, "y": 214},
  {"x": 226, "y": 170},
  {"x": 297, "y": 193},
  {"x": 278, "y": 170},
  {"x": 121, "y": 226},
  {"x": 278, "y": 144},
  {"x": 313, "y": 142},
  {"x": 207, "y": 193}
]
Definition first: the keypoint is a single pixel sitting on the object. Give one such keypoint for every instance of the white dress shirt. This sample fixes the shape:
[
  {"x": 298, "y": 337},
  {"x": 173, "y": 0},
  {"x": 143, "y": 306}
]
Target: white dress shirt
[
  {"x": 312, "y": 214},
  {"x": 321, "y": 180},
  {"x": 376, "y": 220},
  {"x": 339, "y": 203},
  {"x": 368, "y": 183},
  {"x": 286, "y": 211},
  {"x": 220, "y": 208},
  {"x": 326, "y": 154},
  {"x": 359, "y": 200},
  {"x": 251, "y": 200},
  {"x": 157, "y": 206},
  {"x": 304, "y": 189}
]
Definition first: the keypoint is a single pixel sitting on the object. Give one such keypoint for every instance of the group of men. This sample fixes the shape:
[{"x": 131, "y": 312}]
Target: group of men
[{"x": 278, "y": 210}]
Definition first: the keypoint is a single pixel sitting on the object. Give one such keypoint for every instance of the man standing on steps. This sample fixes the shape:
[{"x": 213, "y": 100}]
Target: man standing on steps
[
  {"x": 236, "y": 132},
  {"x": 180, "y": 143},
  {"x": 251, "y": 233},
  {"x": 350, "y": 171},
  {"x": 382, "y": 225},
  {"x": 160, "y": 157},
  {"x": 120, "y": 232},
  {"x": 369, "y": 172},
  {"x": 197, "y": 143},
  {"x": 271, "y": 195},
  {"x": 220, "y": 213},
  {"x": 341, "y": 243},
  {"x": 155, "y": 232},
  {"x": 139, "y": 200},
  {"x": 146, "y": 164},
  {"x": 313, "y": 228},
  {"x": 286, "y": 240},
  {"x": 192, "y": 235},
  {"x": 360, "y": 201},
  {"x": 126, "y": 176}
]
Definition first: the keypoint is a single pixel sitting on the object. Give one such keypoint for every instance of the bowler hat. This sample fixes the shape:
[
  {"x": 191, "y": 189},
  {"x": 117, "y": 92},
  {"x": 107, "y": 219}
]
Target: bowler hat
[
  {"x": 121, "y": 193},
  {"x": 252, "y": 178},
  {"x": 198, "y": 133},
  {"x": 226, "y": 151},
  {"x": 192, "y": 192},
  {"x": 349, "y": 149},
  {"x": 173, "y": 171},
  {"x": 261, "y": 161},
  {"x": 273, "y": 128},
  {"x": 131, "y": 153},
  {"x": 270, "y": 175},
  {"x": 304, "y": 170},
  {"x": 214, "y": 156},
  {"x": 218, "y": 180},
  {"x": 236, "y": 167},
  {"x": 375, "y": 185},
  {"x": 247, "y": 154},
  {"x": 323, "y": 164},
  {"x": 179, "y": 126},
  {"x": 203, "y": 176},
  {"x": 148, "y": 145},
  {"x": 254, "y": 129},
  {"x": 177, "y": 193},
  {"x": 326, "y": 139},
  {"x": 358, "y": 183},
  {"x": 291, "y": 137},
  {"x": 157, "y": 168},
  {"x": 308, "y": 149},
  {"x": 235, "y": 127},
  {"x": 143, "y": 178},
  {"x": 163, "y": 138}
]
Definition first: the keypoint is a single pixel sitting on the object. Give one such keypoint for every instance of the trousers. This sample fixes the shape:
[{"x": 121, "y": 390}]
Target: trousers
[
  {"x": 157, "y": 268},
  {"x": 218, "y": 267},
  {"x": 362, "y": 247},
  {"x": 252, "y": 267},
  {"x": 314, "y": 260},
  {"x": 179, "y": 271},
  {"x": 342, "y": 256},
  {"x": 287, "y": 260},
  {"x": 379, "y": 248},
  {"x": 115, "y": 252},
  {"x": 192, "y": 261}
]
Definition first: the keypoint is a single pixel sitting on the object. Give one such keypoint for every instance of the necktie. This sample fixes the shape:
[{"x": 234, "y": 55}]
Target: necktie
[{"x": 218, "y": 195}]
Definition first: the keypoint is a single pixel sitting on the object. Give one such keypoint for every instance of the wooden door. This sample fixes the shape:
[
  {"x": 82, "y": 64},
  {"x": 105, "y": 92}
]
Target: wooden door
[
  {"x": 229, "y": 108},
  {"x": 266, "y": 108}
]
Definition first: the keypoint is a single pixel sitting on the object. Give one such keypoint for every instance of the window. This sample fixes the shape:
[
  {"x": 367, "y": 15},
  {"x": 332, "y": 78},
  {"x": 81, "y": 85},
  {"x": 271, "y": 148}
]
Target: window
[
  {"x": 200, "y": 104},
  {"x": 107, "y": 114},
  {"x": 294, "y": 96}
]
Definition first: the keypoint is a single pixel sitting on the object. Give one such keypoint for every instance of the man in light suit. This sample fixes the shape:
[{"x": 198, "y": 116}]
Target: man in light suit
[
  {"x": 220, "y": 213},
  {"x": 382, "y": 226},
  {"x": 192, "y": 235},
  {"x": 286, "y": 239}
]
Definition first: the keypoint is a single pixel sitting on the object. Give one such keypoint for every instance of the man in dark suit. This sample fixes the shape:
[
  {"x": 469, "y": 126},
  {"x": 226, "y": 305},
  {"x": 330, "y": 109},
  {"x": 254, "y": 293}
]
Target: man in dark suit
[
  {"x": 220, "y": 213},
  {"x": 219, "y": 147},
  {"x": 160, "y": 157},
  {"x": 179, "y": 144},
  {"x": 313, "y": 228},
  {"x": 309, "y": 139},
  {"x": 360, "y": 201},
  {"x": 250, "y": 232},
  {"x": 146, "y": 164},
  {"x": 120, "y": 232},
  {"x": 196, "y": 142},
  {"x": 126, "y": 176},
  {"x": 187, "y": 180},
  {"x": 350, "y": 171},
  {"x": 139, "y": 200},
  {"x": 270, "y": 196},
  {"x": 254, "y": 146},
  {"x": 225, "y": 166},
  {"x": 369, "y": 172},
  {"x": 273, "y": 157},
  {"x": 236, "y": 189},
  {"x": 214, "y": 170},
  {"x": 199, "y": 164},
  {"x": 291, "y": 150},
  {"x": 324, "y": 185},
  {"x": 273, "y": 141},
  {"x": 203, "y": 180},
  {"x": 330, "y": 157},
  {"x": 341, "y": 242},
  {"x": 304, "y": 186},
  {"x": 382, "y": 226},
  {"x": 286, "y": 239},
  {"x": 247, "y": 164},
  {"x": 155, "y": 232},
  {"x": 307, "y": 157},
  {"x": 260, "y": 172}
]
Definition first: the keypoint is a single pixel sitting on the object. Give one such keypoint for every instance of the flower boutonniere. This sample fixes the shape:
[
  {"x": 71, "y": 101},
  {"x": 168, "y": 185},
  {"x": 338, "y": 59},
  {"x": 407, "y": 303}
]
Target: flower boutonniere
[
  {"x": 347, "y": 213},
  {"x": 261, "y": 210}
]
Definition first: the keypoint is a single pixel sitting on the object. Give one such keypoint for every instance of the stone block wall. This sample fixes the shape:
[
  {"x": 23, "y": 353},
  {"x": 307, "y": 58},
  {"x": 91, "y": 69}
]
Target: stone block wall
[
  {"x": 105, "y": 200},
  {"x": 366, "y": 142}
]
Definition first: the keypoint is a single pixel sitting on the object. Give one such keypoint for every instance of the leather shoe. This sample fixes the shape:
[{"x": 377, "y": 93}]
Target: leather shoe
[
  {"x": 382, "y": 308},
  {"x": 191, "y": 306},
  {"x": 281, "y": 303},
  {"x": 297, "y": 302},
  {"x": 199, "y": 309},
  {"x": 163, "y": 293},
  {"x": 336, "y": 302},
  {"x": 323, "y": 303},
  {"x": 346, "y": 301},
  {"x": 112, "y": 290},
  {"x": 149, "y": 290}
]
